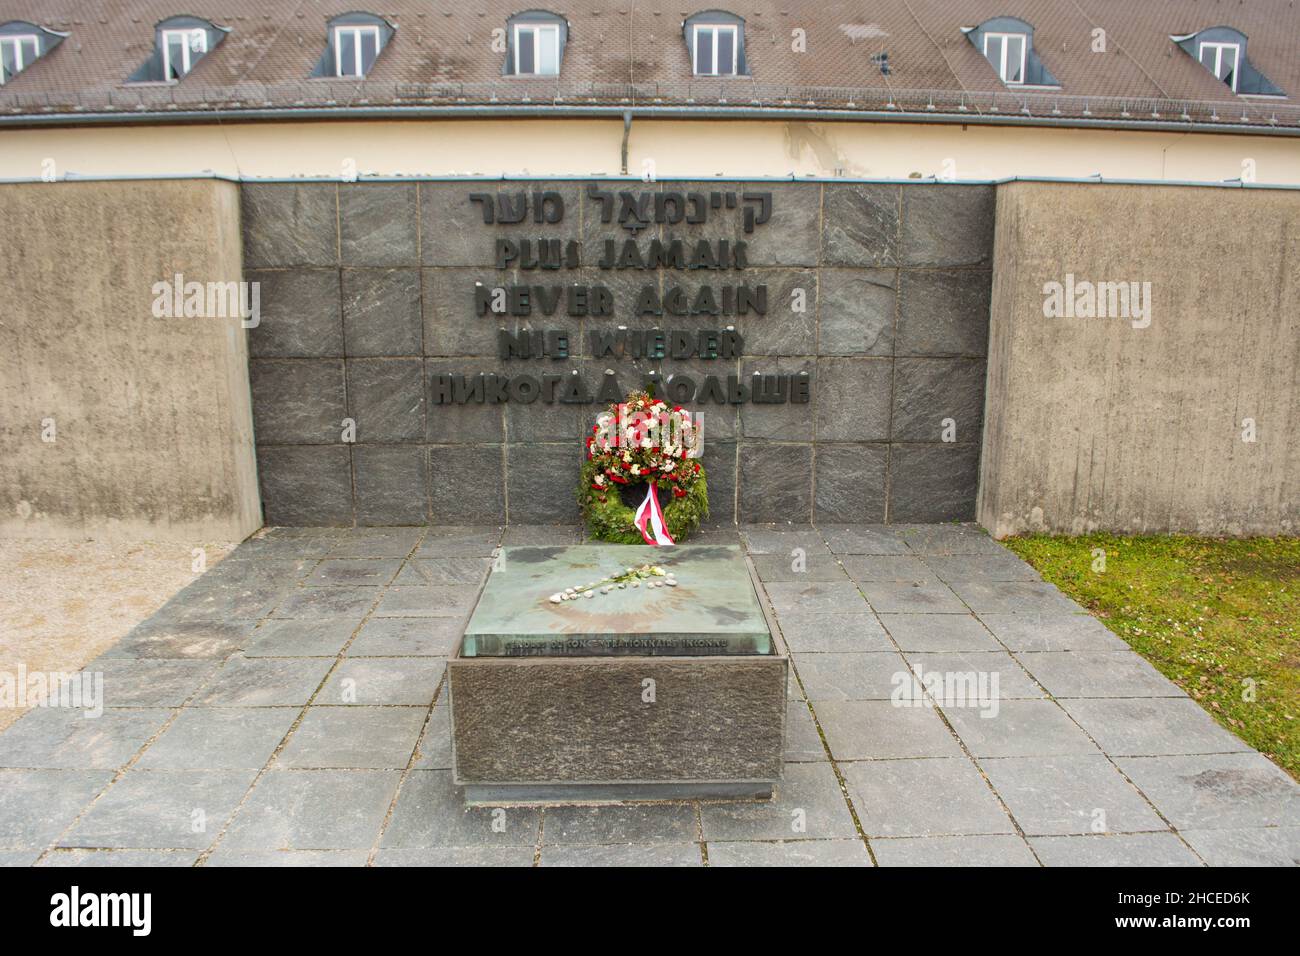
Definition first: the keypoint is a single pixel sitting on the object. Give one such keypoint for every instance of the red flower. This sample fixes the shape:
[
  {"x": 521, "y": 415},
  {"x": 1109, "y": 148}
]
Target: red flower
[{"x": 679, "y": 493}]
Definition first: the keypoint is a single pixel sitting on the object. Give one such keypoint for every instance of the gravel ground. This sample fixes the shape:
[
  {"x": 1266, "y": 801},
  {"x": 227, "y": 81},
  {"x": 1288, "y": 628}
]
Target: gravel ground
[{"x": 65, "y": 602}]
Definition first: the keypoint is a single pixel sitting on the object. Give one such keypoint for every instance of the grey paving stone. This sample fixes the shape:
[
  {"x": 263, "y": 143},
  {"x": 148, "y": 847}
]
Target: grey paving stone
[
  {"x": 333, "y": 572},
  {"x": 802, "y": 742},
  {"x": 250, "y": 570},
  {"x": 1012, "y": 681},
  {"x": 378, "y": 224},
  {"x": 297, "y": 402},
  {"x": 861, "y": 384},
  {"x": 383, "y": 680},
  {"x": 813, "y": 632},
  {"x": 302, "y": 637},
  {"x": 328, "y": 602},
  {"x": 996, "y": 850},
  {"x": 407, "y": 637},
  {"x": 939, "y": 632},
  {"x": 435, "y": 600},
  {"x": 37, "y": 805},
  {"x": 827, "y": 597},
  {"x": 540, "y": 535},
  {"x": 418, "y": 572},
  {"x": 790, "y": 853},
  {"x": 264, "y": 682},
  {"x": 767, "y": 539},
  {"x": 151, "y": 683},
  {"x": 1097, "y": 674},
  {"x": 773, "y": 568},
  {"x": 1064, "y": 795},
  {"x": 198, "y": 603},
  {"x": 933, "y": 481},
  {"x": 907, "y": 597},
  {"x": 223, "y": 856},
  {"x": 938, "y": 399},
  {"x": 313, "y": 810},
  {"x": 60, "y": 738},
  {"x": 861, "y": 225},
  {"x": 376, "y": 542},
  {"x": 808, "y": 805},
  {"x": 863, "y": 539},
  {"x": 902, "y": 568},
  {"x": 1217, "y": 791},
  {"x": 981, "y": 567},
  {"x": 434, "y": 752},
  {"x": 204, "y": 738},
  {"x": 943, "y": 312},
  {"x": 877, "y": 729},
  {"x": 857, "y": 311},
  {"x": 1052, "y": 632},
  {"x": 623, "y": 854},
  {"x": 923, "y": 798},
  {"x": 342, "y": 738},
  {"x": 19, "y": 857},
  {"x": 1146, "y": 727},
  {"x": 431, "y": 812},
  {"x": 305, "y": 484},
  {"x": 289, "y": 224},
  {"x": 631, "y": 823},
  {"x": 162, "y": 809},
  {"x": 280, "y": 544},
  {"x": 946, "y": 225},
  {"x": 778, "y": 485},
  {"x": 466, "y": 483},
  {"x": 1114, "y": 849},
  {"x": 1018, "y": 728},
  {"x": 381, "y": 312},
  {"x": 1020, "y": 597},
  {"x": 299, "y": 314},
  {"x": 942, "y": 539},
  {"x": 183, "y": 640},
  {"x": 850, "y": 482},
  {"x": 459, "y": 541},
  {"x": 872, "y": 676},
  {"x": 1274, "y": 846},
  {"x": 457, "y": 856},
  {"x": 116, "y": 858}
]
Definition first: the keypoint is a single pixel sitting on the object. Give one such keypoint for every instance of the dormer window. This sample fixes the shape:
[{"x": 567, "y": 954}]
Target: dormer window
[
  {"x": 1222, "y": 51},
  {"x": 181, "y": 50},
  {"x": 21, "y": 45},
  {"x": 179, "y": 44},
  {"x": 536, "y": 41},
  {"x": 716, "y": 42},
  {"x": 1006, "y": 51},
  {"x": 353, "y": 44},
  {"x": 1008, "y": 44}
]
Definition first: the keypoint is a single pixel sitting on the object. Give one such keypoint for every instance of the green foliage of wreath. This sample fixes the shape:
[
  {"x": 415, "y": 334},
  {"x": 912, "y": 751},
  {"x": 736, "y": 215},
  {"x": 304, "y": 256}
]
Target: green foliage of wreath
[{"x": 611, "y": 520}]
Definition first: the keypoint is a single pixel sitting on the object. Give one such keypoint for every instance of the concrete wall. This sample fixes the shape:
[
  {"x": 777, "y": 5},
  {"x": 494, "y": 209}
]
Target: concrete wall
[
  {"x": 700, "y": 148},
  {"x": 151, "y": 416},
  {"x": 367, "y": 293},
  {"x": 1092, "y": 423}
]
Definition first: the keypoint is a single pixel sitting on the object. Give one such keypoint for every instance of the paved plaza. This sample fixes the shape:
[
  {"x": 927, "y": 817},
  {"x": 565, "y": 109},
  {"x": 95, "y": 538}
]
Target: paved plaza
[{"x": 946, "y": 707}]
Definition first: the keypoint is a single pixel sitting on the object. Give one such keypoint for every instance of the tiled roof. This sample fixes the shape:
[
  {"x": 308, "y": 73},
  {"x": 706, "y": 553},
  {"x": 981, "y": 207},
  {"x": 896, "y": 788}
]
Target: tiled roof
[{"x": 630, "y": 53}]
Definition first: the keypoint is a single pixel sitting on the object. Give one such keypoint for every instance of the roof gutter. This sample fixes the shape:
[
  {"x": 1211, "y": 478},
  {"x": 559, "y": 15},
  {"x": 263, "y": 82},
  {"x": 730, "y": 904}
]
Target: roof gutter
[{"x": 554, "y": 111}]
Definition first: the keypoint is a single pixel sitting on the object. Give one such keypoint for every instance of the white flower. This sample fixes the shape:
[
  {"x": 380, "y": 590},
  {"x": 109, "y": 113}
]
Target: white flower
[{"x": 636, "y": 469}]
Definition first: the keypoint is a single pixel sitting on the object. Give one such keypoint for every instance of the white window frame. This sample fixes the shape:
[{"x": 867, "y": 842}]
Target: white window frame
[
  {"x": 18, "y": 39},
  {"x": 731, "y": 28},
  {"x": 1002, "y": 66},
  {"x": 550, "y": 29},
  {"x": 358, "y": 30},
  {"x": 187, "y": 60},
  {"x": 1218, "y": 47}
]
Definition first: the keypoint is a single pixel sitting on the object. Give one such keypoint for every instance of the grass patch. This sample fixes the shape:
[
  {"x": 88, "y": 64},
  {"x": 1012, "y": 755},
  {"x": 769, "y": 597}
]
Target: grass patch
[{"x": 1218, "y": 617}]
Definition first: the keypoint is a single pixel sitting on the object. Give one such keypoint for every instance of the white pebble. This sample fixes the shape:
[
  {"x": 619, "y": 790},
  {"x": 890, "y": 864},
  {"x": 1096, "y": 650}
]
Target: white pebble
[
  {"x": 590, "y": 594},
  {"x": 557, "y": 598},
  {"x": 671, "y": 583}
]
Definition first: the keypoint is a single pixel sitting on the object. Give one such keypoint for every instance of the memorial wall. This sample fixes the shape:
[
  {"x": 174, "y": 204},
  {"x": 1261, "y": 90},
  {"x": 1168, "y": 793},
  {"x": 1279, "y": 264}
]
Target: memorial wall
[{"x": 434, "y": 353}]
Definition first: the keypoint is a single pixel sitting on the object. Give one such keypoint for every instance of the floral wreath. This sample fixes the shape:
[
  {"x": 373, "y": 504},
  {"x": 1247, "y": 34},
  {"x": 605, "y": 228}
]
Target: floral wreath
[{"x": 643, "y": 441}]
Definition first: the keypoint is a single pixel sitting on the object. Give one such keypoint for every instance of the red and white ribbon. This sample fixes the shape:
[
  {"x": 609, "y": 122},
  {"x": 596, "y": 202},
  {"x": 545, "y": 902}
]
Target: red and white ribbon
[{"x": 650, "y": 519}]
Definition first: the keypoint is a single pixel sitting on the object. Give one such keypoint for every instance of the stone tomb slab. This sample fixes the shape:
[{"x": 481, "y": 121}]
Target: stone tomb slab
[{"x": 638, "y": 694}]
